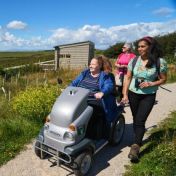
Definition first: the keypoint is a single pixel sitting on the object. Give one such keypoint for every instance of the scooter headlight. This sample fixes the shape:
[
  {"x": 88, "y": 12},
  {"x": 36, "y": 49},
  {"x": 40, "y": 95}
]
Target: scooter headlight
[
  {"x": 47, "y": 119},
  {"x": 69, "y": 136}
]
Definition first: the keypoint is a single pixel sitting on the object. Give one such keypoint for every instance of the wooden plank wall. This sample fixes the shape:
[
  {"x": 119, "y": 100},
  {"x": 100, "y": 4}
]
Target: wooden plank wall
[{"x": 79, "y": 56}]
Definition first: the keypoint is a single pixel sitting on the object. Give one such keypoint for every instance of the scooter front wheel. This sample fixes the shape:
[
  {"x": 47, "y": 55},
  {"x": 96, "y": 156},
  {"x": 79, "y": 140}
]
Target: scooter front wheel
[
  {"x": 38, "y": 150},
  {"x": 83, "y": 163}
]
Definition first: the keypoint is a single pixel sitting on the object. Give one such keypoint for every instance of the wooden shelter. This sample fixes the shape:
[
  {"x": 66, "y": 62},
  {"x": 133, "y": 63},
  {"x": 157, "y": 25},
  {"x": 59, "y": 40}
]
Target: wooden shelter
[{"x": 75, "y": 55}]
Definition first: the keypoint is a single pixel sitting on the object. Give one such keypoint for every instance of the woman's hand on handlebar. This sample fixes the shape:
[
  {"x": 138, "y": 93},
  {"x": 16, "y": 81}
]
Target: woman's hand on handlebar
[{"x": 98, "y": 95}]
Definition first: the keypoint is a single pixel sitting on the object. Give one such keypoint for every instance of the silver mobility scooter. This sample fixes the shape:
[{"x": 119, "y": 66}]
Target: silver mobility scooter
[{"x": 65, "y": 137}]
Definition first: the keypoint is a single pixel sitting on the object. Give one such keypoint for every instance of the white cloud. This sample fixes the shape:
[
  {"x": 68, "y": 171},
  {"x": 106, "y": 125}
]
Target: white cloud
[
  {"x": 163, "y": 11},
  {"x": 7, "y": 37},
  {"x": 16, "y": 25},
  {"x": 104, "y": 37},
  {"x": 101, "y": 36},
  {"x": 9, "y": 40}
]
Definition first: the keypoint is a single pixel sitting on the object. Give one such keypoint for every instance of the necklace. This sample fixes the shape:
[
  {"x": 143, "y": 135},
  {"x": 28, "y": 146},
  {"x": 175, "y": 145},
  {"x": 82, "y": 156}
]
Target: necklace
[
  {"x": 142, "y": 71},
  {"x": 143, "y": 62}
]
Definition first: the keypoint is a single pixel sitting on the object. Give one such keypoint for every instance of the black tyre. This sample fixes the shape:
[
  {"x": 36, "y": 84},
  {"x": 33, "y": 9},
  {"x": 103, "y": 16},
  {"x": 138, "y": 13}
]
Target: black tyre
[
  {"x": 118, "y": 130},
  {"x": 38, "y": 152},
  {"x": 83, "y": 163}
]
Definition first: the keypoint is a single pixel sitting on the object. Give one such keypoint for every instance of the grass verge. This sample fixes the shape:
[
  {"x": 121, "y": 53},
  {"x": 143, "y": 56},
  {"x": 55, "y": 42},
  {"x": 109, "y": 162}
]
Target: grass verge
[
  {"x": 16, "y": 133},
  {"x": 158, "y": 155}
]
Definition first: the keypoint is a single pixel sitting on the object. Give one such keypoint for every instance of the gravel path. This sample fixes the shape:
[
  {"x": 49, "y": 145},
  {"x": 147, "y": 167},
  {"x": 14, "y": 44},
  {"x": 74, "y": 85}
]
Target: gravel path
[{"x": 109, "y": 161}]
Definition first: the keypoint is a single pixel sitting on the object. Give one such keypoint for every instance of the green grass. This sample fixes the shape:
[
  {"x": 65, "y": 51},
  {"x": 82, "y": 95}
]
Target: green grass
[
  {"x": 15, "y": 133},
  {"x": 158, "y": 155},
  {"x": 9, "y": 59},
  {"x": 171, "y": 74}
]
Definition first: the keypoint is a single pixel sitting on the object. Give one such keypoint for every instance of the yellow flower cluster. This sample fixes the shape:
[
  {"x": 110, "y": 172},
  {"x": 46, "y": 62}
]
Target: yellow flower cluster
[{"x": 35, "y": 103}]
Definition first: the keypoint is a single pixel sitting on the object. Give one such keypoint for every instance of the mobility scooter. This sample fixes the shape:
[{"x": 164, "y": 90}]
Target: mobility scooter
[{"x": 64, "y": 135}]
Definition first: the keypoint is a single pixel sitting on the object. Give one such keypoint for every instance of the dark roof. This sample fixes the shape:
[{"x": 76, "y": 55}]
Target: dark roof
[{"x": 78, "y": 43}]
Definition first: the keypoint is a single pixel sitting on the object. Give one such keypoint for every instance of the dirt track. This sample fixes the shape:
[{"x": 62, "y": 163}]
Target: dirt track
[{"x": 109, "y": 161}]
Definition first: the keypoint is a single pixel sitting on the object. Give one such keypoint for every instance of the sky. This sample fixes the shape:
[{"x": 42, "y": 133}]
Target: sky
[{"x": 43, "y": 24}]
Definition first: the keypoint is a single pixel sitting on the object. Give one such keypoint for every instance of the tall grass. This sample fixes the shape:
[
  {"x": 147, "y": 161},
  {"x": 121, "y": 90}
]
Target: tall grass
[
  {"x": 14, "y": 132},
  {"x": 19, "y": 82},
  {"x": 171, "y": 73}
]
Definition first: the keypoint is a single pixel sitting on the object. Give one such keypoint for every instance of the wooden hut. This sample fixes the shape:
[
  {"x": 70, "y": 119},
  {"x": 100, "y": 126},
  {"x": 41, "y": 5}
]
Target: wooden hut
[{"x": 75, "y": 55}]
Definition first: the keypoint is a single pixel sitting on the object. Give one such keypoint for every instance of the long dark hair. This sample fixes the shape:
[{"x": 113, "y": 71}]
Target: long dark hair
[{"x": 154, "y": 52}]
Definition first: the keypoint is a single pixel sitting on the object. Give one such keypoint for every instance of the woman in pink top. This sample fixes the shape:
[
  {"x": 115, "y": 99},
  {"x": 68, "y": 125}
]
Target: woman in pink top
[{"x": 122, "y": 64}]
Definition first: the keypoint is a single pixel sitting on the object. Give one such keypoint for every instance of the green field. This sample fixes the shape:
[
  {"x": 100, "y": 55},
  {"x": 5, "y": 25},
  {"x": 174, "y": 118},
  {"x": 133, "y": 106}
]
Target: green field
[{"x": 9, "y": 59}]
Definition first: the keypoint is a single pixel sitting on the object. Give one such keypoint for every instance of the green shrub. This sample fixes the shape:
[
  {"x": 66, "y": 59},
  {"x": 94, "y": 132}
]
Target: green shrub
[{"x": 35, "y": 103}]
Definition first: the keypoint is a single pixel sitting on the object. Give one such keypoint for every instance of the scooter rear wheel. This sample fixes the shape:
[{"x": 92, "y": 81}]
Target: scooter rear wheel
[{"x": 118, "y": 130}]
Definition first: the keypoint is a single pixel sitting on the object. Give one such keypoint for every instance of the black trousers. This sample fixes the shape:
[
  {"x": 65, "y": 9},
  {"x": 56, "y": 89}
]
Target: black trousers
[{"x": 141, "y": 106}]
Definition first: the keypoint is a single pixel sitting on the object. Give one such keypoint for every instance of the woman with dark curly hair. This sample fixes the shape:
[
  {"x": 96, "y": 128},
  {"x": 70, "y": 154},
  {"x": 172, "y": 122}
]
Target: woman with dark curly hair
[{"x": 141, "y": 85}]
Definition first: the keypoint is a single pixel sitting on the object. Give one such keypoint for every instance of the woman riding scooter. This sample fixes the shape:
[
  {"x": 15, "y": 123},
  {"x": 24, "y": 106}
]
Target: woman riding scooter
[
  {"x": 101, "y": 85},
  {"x": 72, "y": 135}
]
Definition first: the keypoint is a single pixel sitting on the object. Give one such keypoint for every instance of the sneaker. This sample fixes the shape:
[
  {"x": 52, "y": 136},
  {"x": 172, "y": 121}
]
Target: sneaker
[{"x": 134, "y": 153}]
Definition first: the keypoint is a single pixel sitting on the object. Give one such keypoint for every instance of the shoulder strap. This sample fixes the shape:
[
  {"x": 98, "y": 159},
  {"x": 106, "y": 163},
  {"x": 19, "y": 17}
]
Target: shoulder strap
[
  {"x": 158, "y": 66},
  {"x": 134, "y": 63}
]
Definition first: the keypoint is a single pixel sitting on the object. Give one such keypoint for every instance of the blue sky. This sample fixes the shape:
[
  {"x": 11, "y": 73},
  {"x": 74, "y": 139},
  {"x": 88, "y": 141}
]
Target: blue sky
[{"x": 42, "y": 24}]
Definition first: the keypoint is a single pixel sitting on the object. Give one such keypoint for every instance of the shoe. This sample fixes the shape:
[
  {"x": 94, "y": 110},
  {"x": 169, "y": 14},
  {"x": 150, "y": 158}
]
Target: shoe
[{"x": 134, "y": 153}]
